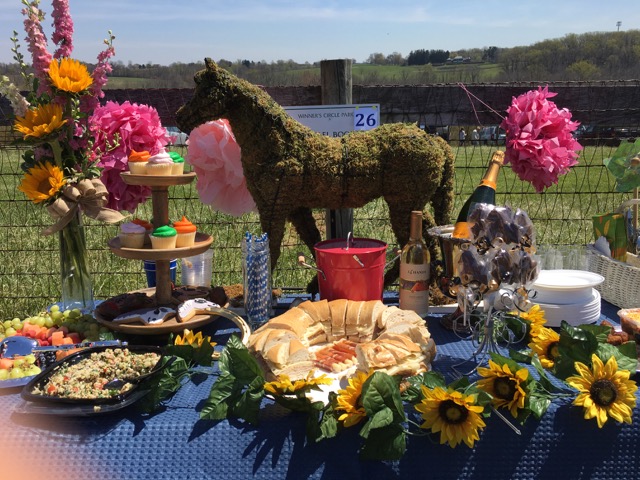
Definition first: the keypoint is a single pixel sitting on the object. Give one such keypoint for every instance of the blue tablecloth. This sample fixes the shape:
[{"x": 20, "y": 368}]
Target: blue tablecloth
[{"x": 175, "y": 444}]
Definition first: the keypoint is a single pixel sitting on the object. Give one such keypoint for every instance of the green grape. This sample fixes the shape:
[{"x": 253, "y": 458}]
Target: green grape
[
  {"x": 15, "y": 373},
  {"x": 40, "y": 321},
  {"x": 56, "y": 316},
  {"x": 54, "y": 308},
  {"x": 32, "y": 370},
  {"x": 30, "y": 359},
  {"x": 9, "y": 332},
  {"x": 49, "y": 322},
  {"x": 7, "y": 324},
  {"x": 4, "y": 374},
  {"x": 66, "y": 313}
]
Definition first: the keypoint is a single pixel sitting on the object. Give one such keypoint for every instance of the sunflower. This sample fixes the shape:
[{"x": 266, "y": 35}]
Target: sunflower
[
  {"x": 535, "y": 318},
  {"x": 604, "y": 390},
  {"x": 284, "y": 386},
  {"x": 42, "y": 182},
  {"x": 349, "y": 400},
  {"x": 545, "y": 344},
  {"x": 189, "y": 338},
  {"x": 504, "y": 386},
  {"x": 453, "y": 414},
  {"x": 41, "y": 121},
  {"x": 69, "y": 75}
]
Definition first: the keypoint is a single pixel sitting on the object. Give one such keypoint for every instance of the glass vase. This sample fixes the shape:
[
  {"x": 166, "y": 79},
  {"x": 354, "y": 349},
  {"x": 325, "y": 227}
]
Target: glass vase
[{"x": 75, "y": 280}]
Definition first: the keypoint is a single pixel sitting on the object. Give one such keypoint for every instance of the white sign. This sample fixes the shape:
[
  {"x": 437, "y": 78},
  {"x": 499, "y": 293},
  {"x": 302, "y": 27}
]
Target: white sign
[{"x": 336, "y": 120}]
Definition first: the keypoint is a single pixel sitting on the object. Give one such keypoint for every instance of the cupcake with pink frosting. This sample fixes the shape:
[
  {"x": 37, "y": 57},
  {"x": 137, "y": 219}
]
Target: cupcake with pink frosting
[{"x": 160, "y": 164}]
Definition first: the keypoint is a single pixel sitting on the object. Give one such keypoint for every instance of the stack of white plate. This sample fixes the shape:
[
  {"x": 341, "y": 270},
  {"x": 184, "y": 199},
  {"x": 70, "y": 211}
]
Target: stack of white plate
[{"x": 568, "y": 295}]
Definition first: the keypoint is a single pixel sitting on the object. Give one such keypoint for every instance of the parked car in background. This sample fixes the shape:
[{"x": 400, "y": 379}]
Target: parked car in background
[
  {"x": 492, "y": 135},
  {"x": 179, "y": 138},
  {"x": 605, "y": 134}
]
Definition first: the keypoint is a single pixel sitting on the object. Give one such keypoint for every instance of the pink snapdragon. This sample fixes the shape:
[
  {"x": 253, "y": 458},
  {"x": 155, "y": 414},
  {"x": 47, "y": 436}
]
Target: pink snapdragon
[
  {"x": 540, "y": 146},
  {"x": 88, "y": 103},
  {"x": 37, "y": 44},
  {"x": 118, "y": 129},
  {"x": 62, "y": 28},
  {"x": 215, "y": 156}
]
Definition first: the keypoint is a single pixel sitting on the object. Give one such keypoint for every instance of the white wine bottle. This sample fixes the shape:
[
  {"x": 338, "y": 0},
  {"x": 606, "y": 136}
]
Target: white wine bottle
[
  {"x": 485, "y": 192},
  {"x": 414, "y": 270}
]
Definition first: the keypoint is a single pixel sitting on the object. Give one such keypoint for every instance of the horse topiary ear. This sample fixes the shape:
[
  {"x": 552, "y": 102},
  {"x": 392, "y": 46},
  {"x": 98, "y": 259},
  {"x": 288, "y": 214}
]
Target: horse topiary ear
[{"x": 210, "y": 64}]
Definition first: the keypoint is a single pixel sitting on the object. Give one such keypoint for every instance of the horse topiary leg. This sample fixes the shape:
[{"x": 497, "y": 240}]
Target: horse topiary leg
[{"x": 304, "y": 223}]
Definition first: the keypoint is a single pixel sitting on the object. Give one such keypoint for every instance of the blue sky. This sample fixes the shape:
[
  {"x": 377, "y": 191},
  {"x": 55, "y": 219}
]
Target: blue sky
[{"x": 165, "y": 32}]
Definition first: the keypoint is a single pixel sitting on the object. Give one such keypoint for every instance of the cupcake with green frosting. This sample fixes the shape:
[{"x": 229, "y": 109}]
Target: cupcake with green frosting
[
  {"x": 163, "y": 238},
  {"x": 178, "y": 163}
]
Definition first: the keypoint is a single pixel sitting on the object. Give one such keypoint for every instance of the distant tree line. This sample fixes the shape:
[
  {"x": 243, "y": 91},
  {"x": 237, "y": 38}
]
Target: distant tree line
[{"x": 589, "y": 56}]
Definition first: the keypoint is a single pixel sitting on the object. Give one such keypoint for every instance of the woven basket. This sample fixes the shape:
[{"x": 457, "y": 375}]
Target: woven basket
[{"x": 621, "y": 285}]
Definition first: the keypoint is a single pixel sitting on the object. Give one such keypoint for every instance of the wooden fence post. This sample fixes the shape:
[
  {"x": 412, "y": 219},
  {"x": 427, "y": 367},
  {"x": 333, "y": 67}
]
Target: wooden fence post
[{"x": 336, "y": 83}]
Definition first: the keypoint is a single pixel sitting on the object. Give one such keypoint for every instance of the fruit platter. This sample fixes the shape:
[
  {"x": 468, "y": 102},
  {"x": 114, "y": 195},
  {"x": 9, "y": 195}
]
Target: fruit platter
[{"x": 29, "y": 345}]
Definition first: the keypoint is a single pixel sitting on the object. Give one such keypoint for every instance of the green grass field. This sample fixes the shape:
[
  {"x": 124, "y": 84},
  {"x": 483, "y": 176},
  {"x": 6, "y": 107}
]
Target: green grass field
[{"x": 29, "y": 268}]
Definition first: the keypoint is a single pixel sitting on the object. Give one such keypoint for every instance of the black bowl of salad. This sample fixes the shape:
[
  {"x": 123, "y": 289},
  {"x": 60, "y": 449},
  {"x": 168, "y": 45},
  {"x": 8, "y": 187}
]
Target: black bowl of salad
[{"x": 86, "y": 377}]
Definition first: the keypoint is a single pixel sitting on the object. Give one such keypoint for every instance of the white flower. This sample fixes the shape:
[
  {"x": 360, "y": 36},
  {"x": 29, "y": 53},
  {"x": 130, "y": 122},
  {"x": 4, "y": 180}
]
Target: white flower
[{"x": 18, "y": 102}]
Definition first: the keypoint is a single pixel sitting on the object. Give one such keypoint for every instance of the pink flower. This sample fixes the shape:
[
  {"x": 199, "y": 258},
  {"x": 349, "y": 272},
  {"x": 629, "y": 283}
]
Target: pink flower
[
  {"x": 37, "y": 44},
  {"x": 540, "y": 145},
  {"x": 118, "y": 129},
  {"x": 88, "y": 103},
  {"x": 63, "y": 28},
  {"x": 215, "y": 157}
]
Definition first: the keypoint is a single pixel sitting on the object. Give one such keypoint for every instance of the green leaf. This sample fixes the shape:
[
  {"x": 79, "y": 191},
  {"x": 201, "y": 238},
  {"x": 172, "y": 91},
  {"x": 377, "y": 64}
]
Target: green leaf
[
  {"x": 329, "y": 423},
  {"x": 621, "y": 353},
  {"x": 381, "y": 418},
  {"x": 236, "y": 359},
  {"x": 382, "y": 391},
  {"x": 600, "y": 332},
  {"x": 538, "y": 404},
  {"x": 247, "y": 405},
  {"x": 163, "y": 385},
  {"x": 388, "y": 443},
  {"x": 544, "y": 379},
  {"x": 216, "y": 406},
  {"x": 413, "y": 394},
  {"x": 520, "y": 357}
]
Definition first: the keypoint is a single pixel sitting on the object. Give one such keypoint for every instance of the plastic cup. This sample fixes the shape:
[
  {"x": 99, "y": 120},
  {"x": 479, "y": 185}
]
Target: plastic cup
[
  {"x": 197, "y": 270},
  {"x": 150, "y": 270}
]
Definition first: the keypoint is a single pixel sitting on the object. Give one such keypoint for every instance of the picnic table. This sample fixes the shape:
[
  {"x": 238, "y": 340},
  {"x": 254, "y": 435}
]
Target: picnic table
[{"x": 174, "y": 443}]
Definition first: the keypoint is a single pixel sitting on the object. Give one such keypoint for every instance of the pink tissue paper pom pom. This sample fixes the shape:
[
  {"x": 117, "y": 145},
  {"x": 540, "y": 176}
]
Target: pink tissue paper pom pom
[
  {"x": 215, "y": 156},
  {"x": 118, "y": 129},
  {"x": 540, "y": 146}
]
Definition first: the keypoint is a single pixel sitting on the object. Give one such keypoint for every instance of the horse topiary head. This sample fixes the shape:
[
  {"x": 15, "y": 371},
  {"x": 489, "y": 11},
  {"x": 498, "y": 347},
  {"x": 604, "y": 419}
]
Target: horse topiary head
[{"x": 210, "y": 99}]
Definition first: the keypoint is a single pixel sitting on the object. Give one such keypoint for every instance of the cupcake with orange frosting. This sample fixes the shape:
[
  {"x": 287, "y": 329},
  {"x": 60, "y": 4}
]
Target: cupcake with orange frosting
[
  {"x": 186, "y": 232},
  {"x": 138, "y": 162},
  {"x": 163, "y": 238},
  {"x": 160, "y": 164}
]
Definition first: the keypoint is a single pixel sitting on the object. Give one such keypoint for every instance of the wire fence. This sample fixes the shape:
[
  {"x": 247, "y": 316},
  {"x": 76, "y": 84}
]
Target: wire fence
[{"x": 29, "y": 277}]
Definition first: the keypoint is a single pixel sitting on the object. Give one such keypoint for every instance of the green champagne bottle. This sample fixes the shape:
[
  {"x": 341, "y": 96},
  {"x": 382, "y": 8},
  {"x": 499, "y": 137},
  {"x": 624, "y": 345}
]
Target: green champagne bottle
[{"x": 485, "y": 192}]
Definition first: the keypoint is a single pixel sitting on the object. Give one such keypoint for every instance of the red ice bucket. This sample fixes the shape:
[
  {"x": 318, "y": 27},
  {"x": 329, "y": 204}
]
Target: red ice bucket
[{"x": 352, "y": 269}]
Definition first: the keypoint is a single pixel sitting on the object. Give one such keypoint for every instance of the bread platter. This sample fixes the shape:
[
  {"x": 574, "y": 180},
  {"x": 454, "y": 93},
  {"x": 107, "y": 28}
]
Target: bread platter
[{"x": 340, "y": 337}]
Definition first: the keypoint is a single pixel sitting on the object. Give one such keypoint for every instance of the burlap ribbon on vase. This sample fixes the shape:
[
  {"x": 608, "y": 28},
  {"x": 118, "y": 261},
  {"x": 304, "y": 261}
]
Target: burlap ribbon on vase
[{"x": 88, "y": 195}]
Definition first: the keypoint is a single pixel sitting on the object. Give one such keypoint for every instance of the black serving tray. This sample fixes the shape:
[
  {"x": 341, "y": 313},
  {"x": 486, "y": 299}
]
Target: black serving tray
[{"x": 41, "y": 379}]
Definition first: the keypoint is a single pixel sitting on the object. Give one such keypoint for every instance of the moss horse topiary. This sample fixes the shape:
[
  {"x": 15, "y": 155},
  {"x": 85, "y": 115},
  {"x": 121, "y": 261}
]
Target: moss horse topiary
[{"x": 290, "y": 169}]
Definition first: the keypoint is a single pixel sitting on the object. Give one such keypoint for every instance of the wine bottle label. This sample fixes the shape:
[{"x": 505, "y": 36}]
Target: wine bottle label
[{"x": 414, "y": 287}]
